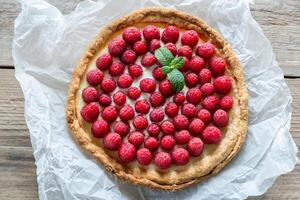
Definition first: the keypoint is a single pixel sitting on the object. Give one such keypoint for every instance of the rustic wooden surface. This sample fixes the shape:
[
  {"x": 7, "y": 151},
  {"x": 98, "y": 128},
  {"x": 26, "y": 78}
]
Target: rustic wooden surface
[{"x": 280, "y": 23}]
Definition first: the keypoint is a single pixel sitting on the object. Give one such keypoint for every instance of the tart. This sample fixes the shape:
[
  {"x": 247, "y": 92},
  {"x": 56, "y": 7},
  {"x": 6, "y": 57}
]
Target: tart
[{"x": 159, "y": 99}]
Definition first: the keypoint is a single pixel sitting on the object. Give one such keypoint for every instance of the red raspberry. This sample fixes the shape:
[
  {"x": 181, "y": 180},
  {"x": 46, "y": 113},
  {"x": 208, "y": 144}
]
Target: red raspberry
[
  {"x": 154, "y": 44},
  {"x": 165, "y": 88},
  {"x": 226, "y": 103},
  {"x": 127, "y": 152},
  {"x": 171, "y": 109},
  {"x": 140, "y": 48},
  {"x": 181, "y": 122},
  {"x": 179, "y": 98},
  {"x": 135, "y": 70},
  {"x": 128, "y": 57},
  {"x": 126, "y": 113},
  {"x": 124, "y": 81},
  {"x": 170, "y": 34},
  {"x": 108, "y": 85},
  {"x": 196, "y": 64},
  {"x": 163, "y": 160},
  {"x": 222, "y": 84},
  {"x": 112, "y": 141},
  {"x": 104, "y": 100},
  {"x": 196, "y": 127},
  {"x": 157, "y": 115},
  {"x": 144, "y": 156},
  {"x": 136, "y": 138},
  {"x": 167, "y": 127},
  {"x": 191, "y": 79},
  {"x": 119, "y": 98},
  {"x": 185, "y": 51},
  {"x": 207, "y": 89},
  {"x": 180, "y": 156},
  {"x": 194, "y": 95},
  {"x": 210, "y": 103},
  {"x": 116, "y": 69},
  {"x": 151, "y": 143},
  {"x": 172, "y": 48},
  {"x": 158, "y": 74},
  {"x": 110, "y": 113},
  {"x": 167, "y": 142},
  {"x": 204, "y": 76},
  {"x": 190, "y": 38},
  {"x": 90, "y": 112},
  {"x": 211, "y": 135},
  {"x": 148, "y": 60},
  {"x": 217, "y": 66},
  {"x": 205, "y": 50},
  {"x": 100, "y": 128},
  {"x": 132, "y": 35},
  {"x": 204, "y": 115},
  {"x": 89, "y": 94},
  {"x": 189, "y": 110},
  {"x": 133, "y": 93},
  {"x": 140, "y": 122},
  {"x": 153, "y": 130},
  {"x": 182, "y": 137},
  {"x": 121, "y": 128},
  {"x": 94, "y": 77},
  {"x": 220, "y": 118},
  {"x": 186, "y": 64},
  {"x": 148, "y": 85},
  {"x": 156, "y": 99},
  {"x": 151, "y": 32},
  {"x": 104, "y": 61},
  {"x": 116, "y": 47},
  {"x": 195, "y": 147},
  {"x": 142, "y": 106}
]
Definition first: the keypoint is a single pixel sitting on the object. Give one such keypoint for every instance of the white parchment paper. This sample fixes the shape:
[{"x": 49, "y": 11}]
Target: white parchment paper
[{"x": 46, "y": 47}]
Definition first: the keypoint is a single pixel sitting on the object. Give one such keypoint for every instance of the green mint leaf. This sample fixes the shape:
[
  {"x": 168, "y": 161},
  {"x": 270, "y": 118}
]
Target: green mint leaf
[
  {"x": 166, "y": 69},
  {"x": 164, "y": 56},
  {"x": 177, "y": 80},
  {"x": 177, "y": 62}
]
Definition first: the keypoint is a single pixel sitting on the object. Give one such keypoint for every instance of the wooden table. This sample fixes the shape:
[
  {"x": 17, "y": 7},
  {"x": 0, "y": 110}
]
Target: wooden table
[{"x": 280, "y": 23}]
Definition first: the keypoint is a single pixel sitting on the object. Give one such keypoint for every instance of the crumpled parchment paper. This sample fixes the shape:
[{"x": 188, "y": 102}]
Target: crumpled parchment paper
[{"x": 47, "y": 46}]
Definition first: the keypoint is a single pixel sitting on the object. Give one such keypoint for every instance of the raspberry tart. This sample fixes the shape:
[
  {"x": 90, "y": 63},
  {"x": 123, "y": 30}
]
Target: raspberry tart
[{"x": 159, "y": 99}]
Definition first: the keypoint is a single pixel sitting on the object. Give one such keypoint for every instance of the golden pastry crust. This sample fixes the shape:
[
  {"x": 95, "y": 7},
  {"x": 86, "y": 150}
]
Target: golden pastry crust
[{"x": 197, "y": 169}]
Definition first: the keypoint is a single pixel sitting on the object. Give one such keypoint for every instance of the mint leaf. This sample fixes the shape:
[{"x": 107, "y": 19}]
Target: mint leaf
[
  {"x": 177, "y": 80},
  {"x": 166, "y": 69},
  {"x": 177, "y": 62},
  {"x": 164, "y": 56}
]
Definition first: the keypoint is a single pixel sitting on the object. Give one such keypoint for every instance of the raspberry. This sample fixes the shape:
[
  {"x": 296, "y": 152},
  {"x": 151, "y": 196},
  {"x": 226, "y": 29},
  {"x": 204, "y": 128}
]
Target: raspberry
[
  {"x": 172, "y": 48},
  {"x": 211, "y": 135},
  {"x": 153, "y": 130},
  {"x": 94, "y": 77},
  {"x": 157, "y": 115},
  {"x": 191, "y": 79},
  {"x": 194, "y": 95},
  {"x": 222, "y": 84},
  {"x": 205, "y": 50},
  {"x": 140, "y": 48},
  {"x": 170, "y": 34},
  {"x": 220, "y": 118},
  {"x": 148, "y": 85},
  {"x": 144, "y": 156},
  {"x": 196, "y": 64},
  {"x": 126, "y": 113},
  {"x": 119, "y": 98},
  {"x": 179, "y": 98},
  {"x": 90, "y": 112},
  {"x": 196, "y": 127},
  {"x": 182, "y": 137},
  {"x": 100, "y": 128},
  {"x": 163, "y": 160},
  {"x": 148, "y": 60},
  {"x": 104, "y": 61},
  {"x": 151, "y": 143},
  {"x": 133, "y": 93},
  {"x": 124, "y": 81},
  {"x": 127, "y": 152},
  {"x": 167, "y": 142},
  {"x": 165, "y": 88},
  {"x": 204, "y": 115},
  {"x": 207, "y": 89},
  {"x": 116, "y": 47},
  {"x": 226, "y": 103},
  {"x": 112, "y": 141},
  {"x": 89, "y": 94},
  {"x": 154, "y": 44},
  {"x": 190, "y": 38},
  {"x": 204, "y": 76},
  {"x": 140, "y": 122},
  {"x": 136, "y": 138},
  {"x": 158, "y": 74},
  {"x": 185, "y": 51},
  {"x": 171, "y": 109},
  {"x": 104, "y": 100},
  {"x": 135, "y": 70},
  {"x": 116, "y": 69},
  {"x": 110, "y": 113},
  {"x": 156, "y": 99},
  {"x": 189, "y": 110},
  {"x": 151, "y": 32},
  {"x": 108, "y": 85},
  {"x": 132, "y": 35},
  {"x": 180, "y": 156},
  {"x": 186, "y": 64},
  {"x": 195, "y": 147},
  {"x": 217, "y": 66},
  {"x": 167, "y": 127},
  {"x": 210, "y": 103},
  {"x": 128, "y": 57},
  {"x": 142, "y": 106},
  {"x": 181, "y": 122},
  {"x": 121, "y": 128}
]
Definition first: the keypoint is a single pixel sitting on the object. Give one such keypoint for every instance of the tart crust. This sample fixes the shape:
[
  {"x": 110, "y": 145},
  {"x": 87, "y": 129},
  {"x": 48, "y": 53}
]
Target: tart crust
[{"x": 198, "y": 169}]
